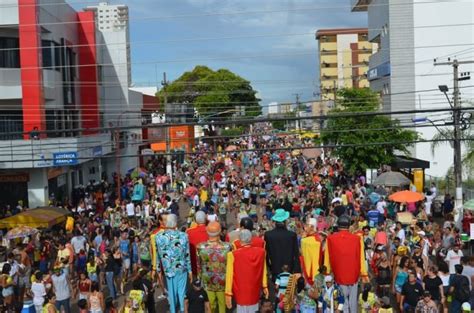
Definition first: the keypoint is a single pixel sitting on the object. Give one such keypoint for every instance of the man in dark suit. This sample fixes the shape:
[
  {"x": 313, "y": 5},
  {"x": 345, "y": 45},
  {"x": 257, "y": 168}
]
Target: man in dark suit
[{"x": 281, "y": 246}]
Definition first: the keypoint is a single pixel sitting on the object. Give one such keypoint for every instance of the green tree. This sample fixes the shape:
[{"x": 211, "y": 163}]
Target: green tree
[
  {"x": 375, "y": 129},
  {"x": 281, "y": 125},
  {"x": 212, "y": 92}
]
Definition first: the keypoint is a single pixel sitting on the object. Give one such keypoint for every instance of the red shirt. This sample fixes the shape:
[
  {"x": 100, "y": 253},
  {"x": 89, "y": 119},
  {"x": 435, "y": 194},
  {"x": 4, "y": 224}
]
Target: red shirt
[
  {"x": 256, "y": 242},
  {"x": 196, "y": 235},
  {"x": 344, "y": 256},
  {"x": 248, "y": 272}
]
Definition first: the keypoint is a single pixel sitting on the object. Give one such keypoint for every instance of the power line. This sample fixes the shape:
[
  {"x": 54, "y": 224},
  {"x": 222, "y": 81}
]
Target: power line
[
  {"x": 235, "y": 57},
  {"x": 194, "y": 39},
  {"x": 268, "y": 149},
  {"x": 39, "y": 145},
  {"x": 247, "y": 121},
  {"x": 208, "y": 14}
]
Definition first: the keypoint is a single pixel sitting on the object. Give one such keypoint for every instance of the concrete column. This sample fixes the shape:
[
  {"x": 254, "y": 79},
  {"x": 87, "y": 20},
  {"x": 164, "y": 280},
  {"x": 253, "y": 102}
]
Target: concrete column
[{"x": 38, "y": 188}]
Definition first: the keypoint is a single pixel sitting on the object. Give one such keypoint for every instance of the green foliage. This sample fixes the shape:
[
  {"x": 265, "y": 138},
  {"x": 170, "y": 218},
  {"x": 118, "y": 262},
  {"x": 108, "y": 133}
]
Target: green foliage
[
  {"x": 338, "y": 131},
  {"x": 281, "y": 125},
  {"x": 212, "y": 92},
  {"x": 235, "y": 131}
]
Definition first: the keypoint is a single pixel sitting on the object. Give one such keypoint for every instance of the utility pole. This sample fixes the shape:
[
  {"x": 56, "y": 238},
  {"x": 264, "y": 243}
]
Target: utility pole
[
  {"x": 457, "y": 137},
  {"x": 298, "y": 122},
  {"x": 169, "y": 166}
]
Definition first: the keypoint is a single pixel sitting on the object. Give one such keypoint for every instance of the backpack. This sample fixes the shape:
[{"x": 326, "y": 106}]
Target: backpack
[{"x": 462, "y": 293}]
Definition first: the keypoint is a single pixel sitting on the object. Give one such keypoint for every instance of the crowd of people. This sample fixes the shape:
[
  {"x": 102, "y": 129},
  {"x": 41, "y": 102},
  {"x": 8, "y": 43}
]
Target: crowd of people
[{"x": 265, "y": 230}]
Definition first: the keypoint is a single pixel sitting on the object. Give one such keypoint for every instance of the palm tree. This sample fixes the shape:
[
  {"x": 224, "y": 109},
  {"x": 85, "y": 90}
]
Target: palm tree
[{"x": 467, "y": 137}]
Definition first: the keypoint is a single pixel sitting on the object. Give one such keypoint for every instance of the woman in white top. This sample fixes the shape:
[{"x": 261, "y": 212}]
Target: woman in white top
[{"x": 39, "y": 291}]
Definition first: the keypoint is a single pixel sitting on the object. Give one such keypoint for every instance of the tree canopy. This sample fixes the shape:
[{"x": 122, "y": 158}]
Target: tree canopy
[
  {"x": 363, "y": 131},
  {"x": 212, "y": 92}
]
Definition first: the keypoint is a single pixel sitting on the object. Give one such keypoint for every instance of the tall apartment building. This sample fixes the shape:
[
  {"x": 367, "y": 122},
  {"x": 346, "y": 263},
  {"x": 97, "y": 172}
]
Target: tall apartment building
[
  {"x": 410, "y": 35},
  {"x": 53, "y": 79},
  {"x": 343, "y": 59}
]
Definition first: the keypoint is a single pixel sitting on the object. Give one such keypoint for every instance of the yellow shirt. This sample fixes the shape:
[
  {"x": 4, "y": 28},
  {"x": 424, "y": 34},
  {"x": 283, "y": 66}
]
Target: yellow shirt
[
  {"x": 203, "y": 195},
  {"x": 311, "y": 253},
  {"x": 63, "y": 254}
]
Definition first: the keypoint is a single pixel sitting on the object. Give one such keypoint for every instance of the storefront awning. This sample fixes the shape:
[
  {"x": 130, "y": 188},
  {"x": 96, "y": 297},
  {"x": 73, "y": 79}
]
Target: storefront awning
[
  {"x": 38, "y": 218},
  {"x": 404, "y": 162}
]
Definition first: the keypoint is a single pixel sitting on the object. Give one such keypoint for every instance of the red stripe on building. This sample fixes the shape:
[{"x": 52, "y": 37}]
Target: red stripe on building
[
  {"x": 31, "y": 66},
  {"x": 88, "y": 75},
  {"x": 355, "y": 62}
]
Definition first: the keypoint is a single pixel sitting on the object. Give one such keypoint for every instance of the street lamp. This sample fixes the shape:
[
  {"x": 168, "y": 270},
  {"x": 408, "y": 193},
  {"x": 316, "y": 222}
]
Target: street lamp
[{"x": 444, "y": 89}]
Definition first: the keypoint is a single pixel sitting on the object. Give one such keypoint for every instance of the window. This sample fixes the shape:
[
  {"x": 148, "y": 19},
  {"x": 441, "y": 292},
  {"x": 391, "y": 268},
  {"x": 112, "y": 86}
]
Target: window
[
  {"x": 11, "y": 122},
  {"x": 47, "y": 54},
  {"x": 9, "y": 52},
  {"x": 57, "y": 56}
]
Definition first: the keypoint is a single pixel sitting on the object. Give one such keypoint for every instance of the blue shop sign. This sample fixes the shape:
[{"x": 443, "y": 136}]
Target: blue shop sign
[
  {"x": 65, "y": 158},
  {"x": 379, "y": 71},
  {"x": 97, "y": 151}
]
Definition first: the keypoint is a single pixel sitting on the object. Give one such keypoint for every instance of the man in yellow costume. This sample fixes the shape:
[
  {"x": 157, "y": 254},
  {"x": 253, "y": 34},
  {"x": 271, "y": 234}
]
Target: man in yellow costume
[{"x": 311, "y": 251}]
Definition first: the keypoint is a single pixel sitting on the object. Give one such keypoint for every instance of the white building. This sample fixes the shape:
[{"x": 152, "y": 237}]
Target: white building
[
  {"x": 410, "y": 35},
  {"x": 122, "y": 104}
]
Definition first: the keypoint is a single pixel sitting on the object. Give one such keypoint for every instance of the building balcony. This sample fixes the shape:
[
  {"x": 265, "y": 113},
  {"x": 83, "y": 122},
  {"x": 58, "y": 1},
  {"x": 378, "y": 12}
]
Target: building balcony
[
  {"x": 52, "y": 152},
  {"x": 359, "y": 5}
]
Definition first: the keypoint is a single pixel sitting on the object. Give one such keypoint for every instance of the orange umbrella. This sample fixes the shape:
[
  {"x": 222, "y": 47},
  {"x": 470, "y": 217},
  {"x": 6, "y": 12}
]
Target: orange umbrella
[{"x": 406, "y": 196}]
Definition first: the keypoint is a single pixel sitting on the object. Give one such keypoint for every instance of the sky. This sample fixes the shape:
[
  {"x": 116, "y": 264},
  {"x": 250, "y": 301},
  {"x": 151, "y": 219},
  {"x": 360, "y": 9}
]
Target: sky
[{"x": 275, "y": 48}]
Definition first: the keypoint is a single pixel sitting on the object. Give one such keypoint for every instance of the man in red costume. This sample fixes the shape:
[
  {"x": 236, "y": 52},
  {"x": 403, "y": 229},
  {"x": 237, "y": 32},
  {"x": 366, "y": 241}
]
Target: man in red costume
[
  {"x": 344, "y": 255},
  {"x": 197, "y": 235},
  {"x": 247, "y": 223},
  {"x": 246, "y": 275}
]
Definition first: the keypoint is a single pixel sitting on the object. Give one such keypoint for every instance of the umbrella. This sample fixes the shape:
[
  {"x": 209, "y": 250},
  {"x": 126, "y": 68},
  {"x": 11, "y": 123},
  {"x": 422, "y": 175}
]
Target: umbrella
[
  {"x": 231, "y": 148},
  {"x": 296, "y": 152},
  {"x": 137, "y": 172},
  {"x": 374, "y": 197},
  {"x": 21, "y": 232},
  {"x": 406, "y": 196},
  {"x": 469, "y": 205},
  {"x": 312, "y": 153},
  {"x": 392, "y": 179}
]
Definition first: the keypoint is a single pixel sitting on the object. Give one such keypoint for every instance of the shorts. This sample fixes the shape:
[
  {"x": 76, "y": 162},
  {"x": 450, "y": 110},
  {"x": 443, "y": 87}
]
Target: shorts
[
  {"x": 398, "y": 288},
  {"x": 7, "y": 292}
]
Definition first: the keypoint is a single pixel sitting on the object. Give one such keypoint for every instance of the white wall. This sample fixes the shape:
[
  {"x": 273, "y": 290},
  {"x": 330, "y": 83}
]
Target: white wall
[
  {"x": 38, "y": 188},
  {"x": 343, "y": 50},
  {"x": 453, "y": 42}
]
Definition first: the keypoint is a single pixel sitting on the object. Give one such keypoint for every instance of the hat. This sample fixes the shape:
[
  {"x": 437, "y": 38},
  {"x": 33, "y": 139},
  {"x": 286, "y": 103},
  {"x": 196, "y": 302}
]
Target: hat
[
  {"x": 466, "y": 307},
  {"x": 327, "y": 278},
  {"x": 402, "y": 250},
  {"x": 280, "y": 216},
  {"x": 421, "y": 233},
  {"x": 426, "y": 294}
]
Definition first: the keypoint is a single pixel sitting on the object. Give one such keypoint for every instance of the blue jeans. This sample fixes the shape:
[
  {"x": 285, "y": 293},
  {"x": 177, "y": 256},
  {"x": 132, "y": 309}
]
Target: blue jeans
[
  {"x": 455, "y": 306},
  {"x": 64, "y": 304},
  {"x": 109, "y": 277}
]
